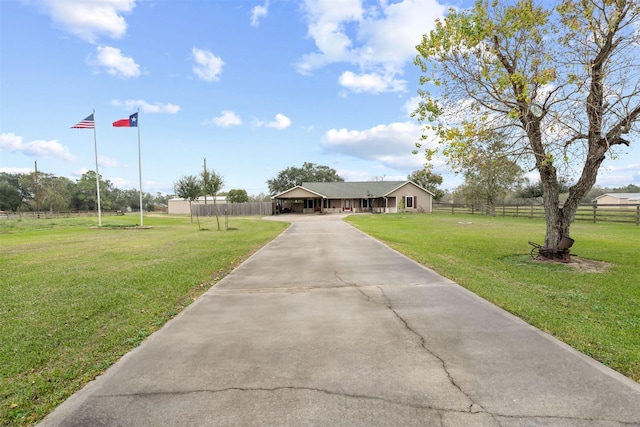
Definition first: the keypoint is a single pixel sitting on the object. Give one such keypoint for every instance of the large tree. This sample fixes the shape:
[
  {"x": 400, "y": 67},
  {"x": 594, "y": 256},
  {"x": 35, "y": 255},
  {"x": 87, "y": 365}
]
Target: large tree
[
  {"x": 428, "y": 180},
  {"x": 561, "y": 84},
  {"x": 309, "y": 172},
  {"x": 237, "y": 196},
  {"x": 84, "y": 195},
  {"x": 10, "y": 194},
  {"x": 54, "y": 192},
  {"x": 489, "y": 175}
]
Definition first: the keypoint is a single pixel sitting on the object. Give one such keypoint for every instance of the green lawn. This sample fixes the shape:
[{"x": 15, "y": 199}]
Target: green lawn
[
  {"x": 75, "y": 299},
  {"x": 598, "y": 313}
]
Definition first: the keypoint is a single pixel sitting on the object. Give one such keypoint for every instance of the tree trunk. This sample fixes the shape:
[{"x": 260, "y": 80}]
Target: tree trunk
[
  {"x": 558, "y": 218},
  {"x": 215, "y": 211},
  {"x": 556, "y": 226}
]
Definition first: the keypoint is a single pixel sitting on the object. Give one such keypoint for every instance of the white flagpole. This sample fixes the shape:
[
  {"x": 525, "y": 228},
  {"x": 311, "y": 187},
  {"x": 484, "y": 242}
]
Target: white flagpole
[
  {"x": 140, "y": 168},
  {"x": 95, "y": 146}
]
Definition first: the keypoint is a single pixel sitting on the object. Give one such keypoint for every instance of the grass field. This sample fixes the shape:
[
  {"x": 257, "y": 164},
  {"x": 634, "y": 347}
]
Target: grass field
[
  {"x": 594, "y": 308},
  {"x": 75, "y": 299}
]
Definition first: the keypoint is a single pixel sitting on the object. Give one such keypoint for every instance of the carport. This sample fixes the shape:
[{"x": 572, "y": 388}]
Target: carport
[{"x": 299, "y": 200}]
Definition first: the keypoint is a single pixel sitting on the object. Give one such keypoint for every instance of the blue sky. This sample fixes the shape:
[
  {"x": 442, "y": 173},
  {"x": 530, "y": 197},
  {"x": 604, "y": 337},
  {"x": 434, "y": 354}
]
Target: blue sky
[{"x": 252, "y": 86}]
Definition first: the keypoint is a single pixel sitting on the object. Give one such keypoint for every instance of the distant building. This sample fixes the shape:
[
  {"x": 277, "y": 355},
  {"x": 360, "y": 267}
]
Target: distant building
[
  {"x": 622, "y": 200},
  {"x": 181, "y": 206}
]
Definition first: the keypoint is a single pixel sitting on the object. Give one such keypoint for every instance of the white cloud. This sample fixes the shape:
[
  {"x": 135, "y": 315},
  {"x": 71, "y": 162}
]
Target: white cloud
[
  {"x": 391, "y": 144},
  {"x": 392, "y": 33},
  {"x": 107, "y": 162},
  {"x": 78, "y": 173},
  {"x": 618, "y": 175},
  {"x": 88, "y": 19},
  {"x": 227, "y": 118},
  {"x": 115, "y": 62},
  {"x": 258, "y": 12},
  {"x": 12, "y": 143},
  {"x": 281, "y": 122},
  {"x": 132, "y": 104},
  {"x": 371, "y": 82},
  {"x": 354, "y": 175},
  {"x": 411, "y": 105},
  {"x": 124, "y": 183},
  {"x": 380, "y": 39},
  {"x": 16, "y": 170},
  {"x": 327, "y": 26},
  {"x": 207, "y": 66}
]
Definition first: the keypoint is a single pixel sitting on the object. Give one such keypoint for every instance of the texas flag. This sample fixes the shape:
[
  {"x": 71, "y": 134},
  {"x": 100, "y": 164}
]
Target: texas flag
[{"x": 131, "y": 122}]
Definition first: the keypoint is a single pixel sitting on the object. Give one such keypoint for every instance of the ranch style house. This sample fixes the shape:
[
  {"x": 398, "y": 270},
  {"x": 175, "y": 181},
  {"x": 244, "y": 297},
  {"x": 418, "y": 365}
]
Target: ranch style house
[{"x": 369, "y": 196}]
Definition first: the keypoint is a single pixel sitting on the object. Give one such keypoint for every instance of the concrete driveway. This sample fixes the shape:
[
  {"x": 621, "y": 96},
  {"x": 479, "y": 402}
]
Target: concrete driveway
[{"x": 326, "y": 326}]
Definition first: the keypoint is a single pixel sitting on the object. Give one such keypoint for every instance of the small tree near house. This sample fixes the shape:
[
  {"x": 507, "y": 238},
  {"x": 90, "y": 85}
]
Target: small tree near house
[
  {"x": 189, "y": 188},
  {"x": 212, "y": 183}
]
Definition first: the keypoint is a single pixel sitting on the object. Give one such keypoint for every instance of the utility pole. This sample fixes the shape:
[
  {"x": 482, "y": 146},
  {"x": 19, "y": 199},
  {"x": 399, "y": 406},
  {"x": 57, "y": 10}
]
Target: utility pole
[
  {"x": 205, "y": 174},
  {"x": 37, "y": 192}
]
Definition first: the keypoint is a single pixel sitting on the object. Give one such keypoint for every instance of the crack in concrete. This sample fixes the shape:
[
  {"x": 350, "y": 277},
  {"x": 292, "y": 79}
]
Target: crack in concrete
[
  {"x": 440, "y": 411},
  {"x": 289, "y": 388},
  {"x": 549, "y": 418},
  {"x": 475, "y": 406}
]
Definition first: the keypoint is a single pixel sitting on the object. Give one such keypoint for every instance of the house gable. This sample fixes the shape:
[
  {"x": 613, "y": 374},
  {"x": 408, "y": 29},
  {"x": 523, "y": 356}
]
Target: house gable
[{"x": 297, "y": 192}]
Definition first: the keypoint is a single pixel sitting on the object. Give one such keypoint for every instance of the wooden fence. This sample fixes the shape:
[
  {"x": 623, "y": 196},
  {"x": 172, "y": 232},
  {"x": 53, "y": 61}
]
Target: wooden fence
[
  {"x": 229, "y": 209},
  {"x": 234, "y": 209},
  {"x": 586, "y": 212}
]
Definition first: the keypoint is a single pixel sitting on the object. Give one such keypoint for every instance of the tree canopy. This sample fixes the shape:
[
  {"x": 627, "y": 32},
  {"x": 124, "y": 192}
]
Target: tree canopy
[
  {"x": 560, "y": 84},
  {"x": 60, "y": 194},
  {"x": 237, "y": 196},
  {"x": 309, "y": 172},
  {"x": 188, "y": 187},
  {"x": 211, "y": 183},
  {"x": 489, "y": 174},
  {"x": 428, "y": 180}
]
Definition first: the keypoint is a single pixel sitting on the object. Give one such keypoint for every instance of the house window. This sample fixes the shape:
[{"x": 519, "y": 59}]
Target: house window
[
  {"x": 409, "y": 202},
  {"x": 308, "y": 204},
  {"x": 365, "y": 203}
]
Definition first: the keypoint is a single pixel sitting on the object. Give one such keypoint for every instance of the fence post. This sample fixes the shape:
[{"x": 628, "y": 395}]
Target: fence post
[
  {"x": 595, "y": 215},
  {"x": 638, "y": 215}
]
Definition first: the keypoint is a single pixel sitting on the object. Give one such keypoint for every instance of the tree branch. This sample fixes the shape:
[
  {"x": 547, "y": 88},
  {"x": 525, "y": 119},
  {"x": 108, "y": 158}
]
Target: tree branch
[{"x": 613, "y": 137}]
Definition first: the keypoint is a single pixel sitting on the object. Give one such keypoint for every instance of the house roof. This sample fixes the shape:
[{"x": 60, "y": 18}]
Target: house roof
[{"x": 352, "y": 190}]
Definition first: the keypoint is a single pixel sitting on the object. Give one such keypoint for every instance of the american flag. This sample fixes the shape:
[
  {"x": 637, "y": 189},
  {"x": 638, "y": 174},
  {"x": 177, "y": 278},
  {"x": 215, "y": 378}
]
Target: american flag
[{"x": 84, "y": 124}]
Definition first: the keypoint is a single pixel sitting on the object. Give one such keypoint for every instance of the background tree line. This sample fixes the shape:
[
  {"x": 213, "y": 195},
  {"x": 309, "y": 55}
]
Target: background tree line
[{"x": 50, "y": 193}]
